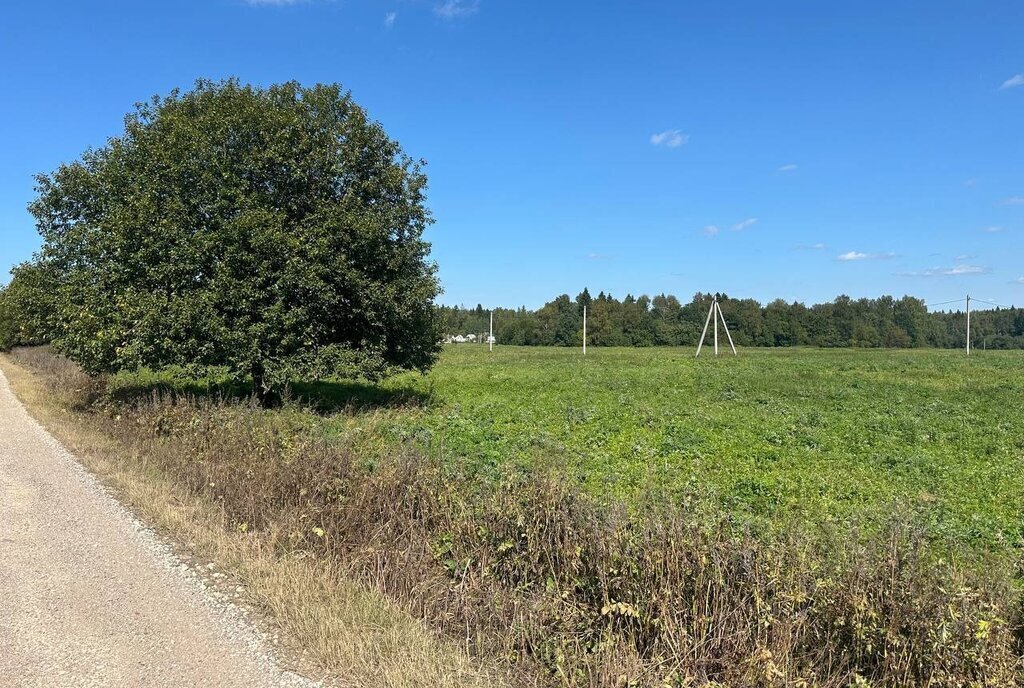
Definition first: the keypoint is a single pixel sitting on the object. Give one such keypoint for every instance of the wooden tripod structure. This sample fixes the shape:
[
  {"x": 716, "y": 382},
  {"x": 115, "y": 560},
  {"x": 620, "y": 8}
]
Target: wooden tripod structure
[{"x": 715, "y": 313}]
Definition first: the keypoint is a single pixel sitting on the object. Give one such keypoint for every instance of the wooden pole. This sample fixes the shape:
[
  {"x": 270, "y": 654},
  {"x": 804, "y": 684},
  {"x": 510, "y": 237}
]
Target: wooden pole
[
  {"x": 714, "y": 307},
  {"x": 490, "y": 337},
  {"x": 968, "y": 324},
  {"x": 726, "y": 326},
  {"x": 584, "y": 330},
  {"x": 703, "y": 334}
]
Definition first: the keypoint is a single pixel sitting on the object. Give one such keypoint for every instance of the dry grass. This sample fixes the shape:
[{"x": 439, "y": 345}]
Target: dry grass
[
  {"x": 333, "y": 627},
  {"x": 524, "y": 567}
]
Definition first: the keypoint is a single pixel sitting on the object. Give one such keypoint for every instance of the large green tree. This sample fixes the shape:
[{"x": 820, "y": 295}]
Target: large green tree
[{"x": 275, "y": 231}]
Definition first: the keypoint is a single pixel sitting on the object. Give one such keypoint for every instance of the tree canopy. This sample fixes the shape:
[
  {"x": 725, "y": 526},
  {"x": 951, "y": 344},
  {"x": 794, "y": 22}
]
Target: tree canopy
[
  {"x": 26, "y": 307},
  {"x": 275, "y": 231}
]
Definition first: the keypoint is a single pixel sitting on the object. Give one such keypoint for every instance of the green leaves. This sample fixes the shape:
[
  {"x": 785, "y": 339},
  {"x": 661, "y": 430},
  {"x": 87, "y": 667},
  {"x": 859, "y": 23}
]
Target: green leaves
[
  {"x": 275, "y": 231},
  {"x": 27, "y": 307}
]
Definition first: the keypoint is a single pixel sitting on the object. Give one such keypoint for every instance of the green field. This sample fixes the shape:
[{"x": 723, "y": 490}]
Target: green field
[
  {"x": 837, "y": 435},
  {"x": 426, "y": 484}
]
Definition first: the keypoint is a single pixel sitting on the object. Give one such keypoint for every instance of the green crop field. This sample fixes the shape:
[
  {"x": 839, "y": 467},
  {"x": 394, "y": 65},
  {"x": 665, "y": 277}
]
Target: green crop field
[
  {"x": 838, "y": 435},
  {"x": 856, "y": 510}
]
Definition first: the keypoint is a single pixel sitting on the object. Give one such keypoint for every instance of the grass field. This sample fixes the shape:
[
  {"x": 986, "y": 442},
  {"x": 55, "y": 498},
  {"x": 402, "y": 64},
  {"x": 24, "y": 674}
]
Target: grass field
[
  {"x": 815, "y": 434},
  {"x": 418, "y": 489}
]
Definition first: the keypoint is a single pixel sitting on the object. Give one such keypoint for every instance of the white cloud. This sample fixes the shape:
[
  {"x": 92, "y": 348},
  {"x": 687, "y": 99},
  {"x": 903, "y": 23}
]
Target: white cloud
[
  {"x": 970, "y": 182},
  {"x": 453, "y": 9},
  {"x": 713, "y": 230},
  {"x": 389, "y": 19},
  {"x": 673, "y": 138},
  {"x": 965, "y": 270},
  {"x": 853, "y": 255},
  {"x": 1019, "y": 280},
  {"x": 857, "y": 255},
  {"x": 993, "y": 229},
  {"x": 788, "y": 168},
  {"x": 1013, "y": 200},
  {"x": 597, "y": 256},
  {"x": 955, "y": 271},
  {"x": 1013, "y": 82}
]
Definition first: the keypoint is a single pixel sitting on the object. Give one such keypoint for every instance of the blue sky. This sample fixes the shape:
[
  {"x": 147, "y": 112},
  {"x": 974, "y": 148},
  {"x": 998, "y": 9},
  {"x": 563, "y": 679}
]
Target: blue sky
[{"x": 786, "y": 149}]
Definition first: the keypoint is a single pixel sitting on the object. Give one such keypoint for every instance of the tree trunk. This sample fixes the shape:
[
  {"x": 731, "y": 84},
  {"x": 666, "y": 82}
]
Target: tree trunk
[{"x": 261, "y": 388}]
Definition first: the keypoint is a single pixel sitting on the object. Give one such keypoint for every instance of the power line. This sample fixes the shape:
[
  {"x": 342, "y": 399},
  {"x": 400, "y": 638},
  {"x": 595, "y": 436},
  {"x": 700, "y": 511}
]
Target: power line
[
  {"x": 945, "y": 303},
  {"x": 942, "y": 303},
  {"x": 968, "y": 312}
]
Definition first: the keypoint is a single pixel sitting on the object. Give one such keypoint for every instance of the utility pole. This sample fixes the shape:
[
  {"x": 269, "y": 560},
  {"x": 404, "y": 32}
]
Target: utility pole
[
  {"x": 726, "y": 326},
  {"x": 714, "y": 307},
  {"x": 490, "y": 337},
  {"x": 715, "y": 312},
  {"x": 584, "y": 330},
  {"x": 968, "y": 324}
]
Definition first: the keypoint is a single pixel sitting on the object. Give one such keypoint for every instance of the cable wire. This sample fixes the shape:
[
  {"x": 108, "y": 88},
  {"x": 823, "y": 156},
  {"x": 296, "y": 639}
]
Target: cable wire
[{"x": 942, "y": 303}]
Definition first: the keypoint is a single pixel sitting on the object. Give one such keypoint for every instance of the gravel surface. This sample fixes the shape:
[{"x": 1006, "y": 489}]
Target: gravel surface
[{"x": 91, "y": 597}]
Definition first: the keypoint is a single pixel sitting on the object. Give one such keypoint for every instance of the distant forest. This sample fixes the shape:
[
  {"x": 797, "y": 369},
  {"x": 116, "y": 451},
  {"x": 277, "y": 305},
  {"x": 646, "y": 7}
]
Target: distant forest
[{"x": 666, "y": 321}]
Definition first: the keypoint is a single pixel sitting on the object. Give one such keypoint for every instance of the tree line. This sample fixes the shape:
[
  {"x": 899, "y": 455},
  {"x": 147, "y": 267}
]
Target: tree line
[{"x": 666, "y": 321}]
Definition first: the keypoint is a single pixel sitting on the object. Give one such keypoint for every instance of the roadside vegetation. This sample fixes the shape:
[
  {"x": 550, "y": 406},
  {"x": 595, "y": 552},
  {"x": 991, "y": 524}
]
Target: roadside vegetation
[
  {"x": 325, "y": 623},
  {"x": 564, "y": 584}
]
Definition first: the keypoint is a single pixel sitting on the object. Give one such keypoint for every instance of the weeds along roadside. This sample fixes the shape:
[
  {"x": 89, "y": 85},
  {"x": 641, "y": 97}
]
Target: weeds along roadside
[
  {"x": 327, "y": 625},
  {"x": 568, "y": 591}
]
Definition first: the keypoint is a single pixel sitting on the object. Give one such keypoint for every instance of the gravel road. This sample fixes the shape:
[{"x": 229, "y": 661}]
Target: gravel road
[{"x": 90, "y": 597}]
